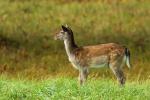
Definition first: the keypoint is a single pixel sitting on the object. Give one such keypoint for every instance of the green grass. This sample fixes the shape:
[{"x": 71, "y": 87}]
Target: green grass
[{"x": 68, "y": 89}]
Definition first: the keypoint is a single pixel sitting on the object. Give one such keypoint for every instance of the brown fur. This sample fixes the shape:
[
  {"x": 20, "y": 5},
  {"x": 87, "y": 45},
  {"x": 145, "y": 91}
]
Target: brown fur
[{"x": 112, "y": 50}]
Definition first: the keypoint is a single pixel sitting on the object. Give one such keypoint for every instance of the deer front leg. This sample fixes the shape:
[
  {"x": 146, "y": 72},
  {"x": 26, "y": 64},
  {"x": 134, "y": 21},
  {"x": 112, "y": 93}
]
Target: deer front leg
[{"x": 83, "y": 74}]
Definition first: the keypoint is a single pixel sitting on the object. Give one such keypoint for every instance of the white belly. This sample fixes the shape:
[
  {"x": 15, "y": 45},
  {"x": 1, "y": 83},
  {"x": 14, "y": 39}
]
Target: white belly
[{"x": 98, "y": 62}]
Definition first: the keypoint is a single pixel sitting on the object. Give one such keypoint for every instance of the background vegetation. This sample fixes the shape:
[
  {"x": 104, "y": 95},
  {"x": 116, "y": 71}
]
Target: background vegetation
[{"x": 27, "y": 27}]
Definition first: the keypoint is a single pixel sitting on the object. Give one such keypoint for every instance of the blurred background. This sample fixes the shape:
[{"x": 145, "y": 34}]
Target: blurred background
[{"x": 27, "y": 27}]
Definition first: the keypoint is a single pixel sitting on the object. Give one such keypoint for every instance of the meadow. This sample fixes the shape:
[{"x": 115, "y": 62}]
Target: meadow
[
  {"x": 67, "y": 89},
  {"x": 29, "y": 52}
]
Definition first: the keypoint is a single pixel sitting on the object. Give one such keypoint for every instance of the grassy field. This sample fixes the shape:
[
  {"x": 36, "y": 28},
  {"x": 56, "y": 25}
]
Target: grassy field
[
  {"x": 31, "y": 62},
  {"x": 67, "y": 89}
]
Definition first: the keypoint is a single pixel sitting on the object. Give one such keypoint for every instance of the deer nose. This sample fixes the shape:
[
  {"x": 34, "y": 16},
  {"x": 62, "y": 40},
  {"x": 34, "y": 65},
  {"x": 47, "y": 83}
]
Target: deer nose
[{"x": 55, "y": 37}]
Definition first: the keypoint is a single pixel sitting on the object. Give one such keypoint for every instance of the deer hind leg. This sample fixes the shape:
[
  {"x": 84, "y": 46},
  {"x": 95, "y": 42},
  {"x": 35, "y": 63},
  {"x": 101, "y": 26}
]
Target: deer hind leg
[
  {"x": 83, "y": 74},
  {"x": 116, "y": 68},
  {"x": 120, "y": 76}
]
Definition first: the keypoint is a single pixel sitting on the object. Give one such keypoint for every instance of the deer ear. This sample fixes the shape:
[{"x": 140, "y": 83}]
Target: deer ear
[{"x": 64, "y": 28}]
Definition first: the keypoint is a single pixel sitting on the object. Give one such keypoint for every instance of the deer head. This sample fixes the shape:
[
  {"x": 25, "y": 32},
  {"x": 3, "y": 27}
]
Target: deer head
[{"x": 63, "y": 34}]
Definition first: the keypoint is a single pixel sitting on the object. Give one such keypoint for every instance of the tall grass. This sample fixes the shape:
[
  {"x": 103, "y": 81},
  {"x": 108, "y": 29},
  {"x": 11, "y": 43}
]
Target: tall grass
[
  {"x": 66, "y": 88},
  {"x": 27, "y": 27}
]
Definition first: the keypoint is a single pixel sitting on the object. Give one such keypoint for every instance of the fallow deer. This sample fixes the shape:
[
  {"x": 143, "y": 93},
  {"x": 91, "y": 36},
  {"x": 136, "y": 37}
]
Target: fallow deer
[{"x": 110, "y": 55}]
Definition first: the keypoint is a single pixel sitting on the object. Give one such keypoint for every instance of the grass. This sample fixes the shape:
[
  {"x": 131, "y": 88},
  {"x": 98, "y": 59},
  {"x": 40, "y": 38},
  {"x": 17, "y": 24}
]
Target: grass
[{"x": 67, "y": 88}]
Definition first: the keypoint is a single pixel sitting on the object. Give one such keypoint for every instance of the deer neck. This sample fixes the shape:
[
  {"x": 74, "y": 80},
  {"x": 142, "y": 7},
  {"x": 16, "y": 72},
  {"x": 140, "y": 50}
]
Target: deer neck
[{"x": 70, "y": 46}]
